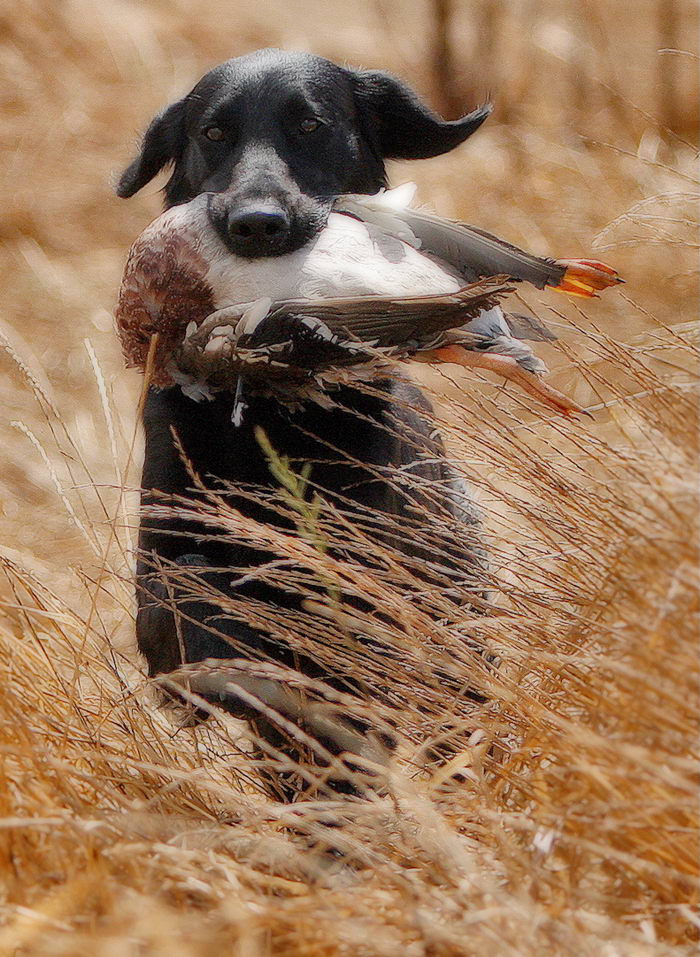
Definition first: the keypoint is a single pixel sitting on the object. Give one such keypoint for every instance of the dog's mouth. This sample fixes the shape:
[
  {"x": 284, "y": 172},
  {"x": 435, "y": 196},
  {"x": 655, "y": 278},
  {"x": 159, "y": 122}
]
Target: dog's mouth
[{"x": 262, "y": 228}]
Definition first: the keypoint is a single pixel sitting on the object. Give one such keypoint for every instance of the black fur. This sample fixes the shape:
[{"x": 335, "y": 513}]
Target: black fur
[
  {"x": 266, "y": 162},
  {"x": 259, "y": 104}
]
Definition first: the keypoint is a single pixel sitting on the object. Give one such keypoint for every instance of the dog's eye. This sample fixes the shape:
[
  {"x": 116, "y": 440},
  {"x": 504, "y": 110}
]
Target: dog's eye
[
  {"x": 214, "y": 133},
  {"x": 309, "y": 125}
]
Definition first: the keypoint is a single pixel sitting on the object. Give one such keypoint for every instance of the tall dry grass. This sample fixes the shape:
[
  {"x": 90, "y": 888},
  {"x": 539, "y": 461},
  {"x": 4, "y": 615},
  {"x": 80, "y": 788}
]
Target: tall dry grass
[{"x": 565, "y": 820}]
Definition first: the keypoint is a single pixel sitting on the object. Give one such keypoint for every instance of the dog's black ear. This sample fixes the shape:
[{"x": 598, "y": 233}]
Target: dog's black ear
[
  {"x": 162, "y": 143},
  {"x": 402, "y": 126}
]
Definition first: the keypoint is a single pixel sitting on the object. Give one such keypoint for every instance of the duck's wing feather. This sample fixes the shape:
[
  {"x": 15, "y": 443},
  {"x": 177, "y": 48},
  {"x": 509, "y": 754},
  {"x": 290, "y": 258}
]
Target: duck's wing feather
[
  {"x": 528, "y": 327},
  {"x": 476, "y": 253},
  {"x": 387, "y": 322},
  {"x": 472, "y": 252}
]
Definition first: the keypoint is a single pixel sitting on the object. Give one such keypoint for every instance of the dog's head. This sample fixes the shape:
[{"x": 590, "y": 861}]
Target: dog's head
[{"x": 277, "y": 136}]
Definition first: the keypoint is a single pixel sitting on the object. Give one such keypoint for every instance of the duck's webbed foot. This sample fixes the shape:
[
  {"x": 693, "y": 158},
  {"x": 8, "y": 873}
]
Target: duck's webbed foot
[
  {"x": 507, "y": 367},
  {"x": 586, "y": 277}
]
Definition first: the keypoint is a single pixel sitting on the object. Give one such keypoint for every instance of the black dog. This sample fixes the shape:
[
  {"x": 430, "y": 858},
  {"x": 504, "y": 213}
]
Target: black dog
[{"x": 279, "y": 135}]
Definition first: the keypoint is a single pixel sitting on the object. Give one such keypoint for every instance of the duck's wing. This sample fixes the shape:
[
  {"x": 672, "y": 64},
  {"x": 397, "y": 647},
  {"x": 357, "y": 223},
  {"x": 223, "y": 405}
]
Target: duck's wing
[
  {"x": 316, "y": 333},
  {"x": 294, "y": 338},
  {"x": 473, "y": 252},
  {"x": 386, "y": 322}
]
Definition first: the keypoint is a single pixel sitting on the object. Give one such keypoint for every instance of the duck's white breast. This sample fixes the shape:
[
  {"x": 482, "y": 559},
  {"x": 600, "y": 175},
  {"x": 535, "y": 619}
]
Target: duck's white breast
[{"x": 347, "y": 258}]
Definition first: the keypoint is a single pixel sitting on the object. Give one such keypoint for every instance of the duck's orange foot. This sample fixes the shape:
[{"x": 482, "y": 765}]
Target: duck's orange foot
[
  {"x": 584, "y": 277},
  {"x": 507, "y": 367}
]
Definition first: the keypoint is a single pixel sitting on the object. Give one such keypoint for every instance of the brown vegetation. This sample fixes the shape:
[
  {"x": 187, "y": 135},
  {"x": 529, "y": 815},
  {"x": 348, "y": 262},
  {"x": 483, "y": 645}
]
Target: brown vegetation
[{"x": 565, "y": 822}]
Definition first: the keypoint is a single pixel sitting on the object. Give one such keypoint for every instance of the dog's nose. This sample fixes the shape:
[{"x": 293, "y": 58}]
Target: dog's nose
[{"x": 257, "y": 229}]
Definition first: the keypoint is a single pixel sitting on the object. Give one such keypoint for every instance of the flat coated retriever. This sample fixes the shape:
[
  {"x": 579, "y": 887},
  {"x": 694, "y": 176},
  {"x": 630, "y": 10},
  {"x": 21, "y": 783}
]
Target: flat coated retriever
[{"x": 279, "y": 135}]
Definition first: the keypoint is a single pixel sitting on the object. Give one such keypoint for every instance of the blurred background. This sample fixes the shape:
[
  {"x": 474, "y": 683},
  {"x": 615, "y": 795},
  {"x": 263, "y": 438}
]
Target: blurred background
[{"x": 581, "y": 840}]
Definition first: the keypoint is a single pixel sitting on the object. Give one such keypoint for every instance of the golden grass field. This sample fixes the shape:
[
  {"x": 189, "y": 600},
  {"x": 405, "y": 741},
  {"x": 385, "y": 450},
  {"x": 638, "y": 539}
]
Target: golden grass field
[{"x": 566, "y": 821}]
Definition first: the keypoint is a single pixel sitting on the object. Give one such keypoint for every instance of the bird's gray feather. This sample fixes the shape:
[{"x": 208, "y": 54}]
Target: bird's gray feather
[
  {"x": 528, "y": 327},
  {"x": 472, "y": 252}
]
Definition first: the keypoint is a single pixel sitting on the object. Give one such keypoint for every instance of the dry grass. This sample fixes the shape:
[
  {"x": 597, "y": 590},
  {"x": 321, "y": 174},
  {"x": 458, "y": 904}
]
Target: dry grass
[{"x": 566, "y": 824}]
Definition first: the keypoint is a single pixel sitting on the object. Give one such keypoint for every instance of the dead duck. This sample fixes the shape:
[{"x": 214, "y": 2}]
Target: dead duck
[{"x": 382, "y": 281}]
